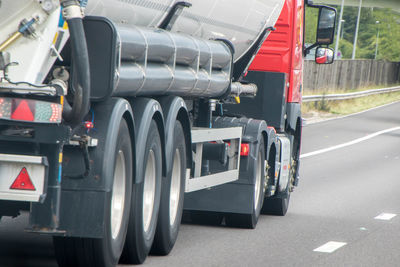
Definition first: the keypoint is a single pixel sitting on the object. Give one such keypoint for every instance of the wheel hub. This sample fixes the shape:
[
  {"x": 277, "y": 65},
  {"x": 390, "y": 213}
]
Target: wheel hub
[
  {"x": 118, "y": 195},
  {"x": 258, "y": 185},
  {"x": 149, "y": 190},
  {"x": 175, "y": 187}
]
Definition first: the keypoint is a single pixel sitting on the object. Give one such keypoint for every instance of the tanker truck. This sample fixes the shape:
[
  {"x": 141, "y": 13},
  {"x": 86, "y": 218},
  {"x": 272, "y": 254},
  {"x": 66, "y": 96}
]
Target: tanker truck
[{"x": 119, "y": 116}]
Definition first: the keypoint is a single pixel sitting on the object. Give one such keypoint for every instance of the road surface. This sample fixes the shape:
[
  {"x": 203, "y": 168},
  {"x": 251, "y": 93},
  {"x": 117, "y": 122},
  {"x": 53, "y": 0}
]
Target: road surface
[{"x": 350, "y": 173}]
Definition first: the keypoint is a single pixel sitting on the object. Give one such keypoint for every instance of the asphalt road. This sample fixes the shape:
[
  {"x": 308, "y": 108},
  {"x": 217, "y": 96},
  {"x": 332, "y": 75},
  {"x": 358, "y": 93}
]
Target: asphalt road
[{"x": 341, "y": 192}]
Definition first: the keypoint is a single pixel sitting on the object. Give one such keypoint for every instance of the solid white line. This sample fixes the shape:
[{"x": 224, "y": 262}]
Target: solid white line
[
  {"x": 330, "y": 247},
  {"x": 385, "y": 216},
  {"x": 356, "y": 141}
]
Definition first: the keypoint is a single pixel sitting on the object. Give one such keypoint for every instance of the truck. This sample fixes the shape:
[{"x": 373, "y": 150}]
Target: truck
[{"x": 120, "y": 117}]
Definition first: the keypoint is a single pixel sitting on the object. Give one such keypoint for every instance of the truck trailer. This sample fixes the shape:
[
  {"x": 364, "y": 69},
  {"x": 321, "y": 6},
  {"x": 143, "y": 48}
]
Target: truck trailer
[{"x": 120, "y": 117}]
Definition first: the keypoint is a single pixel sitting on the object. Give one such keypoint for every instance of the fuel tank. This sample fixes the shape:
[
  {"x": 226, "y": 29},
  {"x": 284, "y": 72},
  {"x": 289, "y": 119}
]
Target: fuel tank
[{"x": 240, "y": 22}]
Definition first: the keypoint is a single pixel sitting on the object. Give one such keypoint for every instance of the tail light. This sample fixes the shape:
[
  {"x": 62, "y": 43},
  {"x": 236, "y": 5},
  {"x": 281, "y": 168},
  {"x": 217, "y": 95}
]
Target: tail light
[
  {"x": 244, "y": 149},
  {"x": 30, "y": 110}
]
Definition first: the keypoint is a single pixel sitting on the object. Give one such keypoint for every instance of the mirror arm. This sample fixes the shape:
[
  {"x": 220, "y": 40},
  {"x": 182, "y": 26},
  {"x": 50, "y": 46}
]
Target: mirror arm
[{"x": 308, "y": 49}]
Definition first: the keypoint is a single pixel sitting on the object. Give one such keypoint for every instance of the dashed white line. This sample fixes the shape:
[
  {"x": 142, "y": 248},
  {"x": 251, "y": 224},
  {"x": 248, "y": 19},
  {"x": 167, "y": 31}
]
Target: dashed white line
[
  {"x": 356, "y": 141},
  {"x": 330, "y": 247},
  {"x": 385, "y": 216}
]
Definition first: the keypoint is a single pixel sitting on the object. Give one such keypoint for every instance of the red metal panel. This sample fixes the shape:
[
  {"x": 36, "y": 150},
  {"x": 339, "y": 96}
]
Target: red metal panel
[
  {"x": 274, "y": 54},
  {"x": 296, "y": 72},
  {"x": 283, "y": 49}
]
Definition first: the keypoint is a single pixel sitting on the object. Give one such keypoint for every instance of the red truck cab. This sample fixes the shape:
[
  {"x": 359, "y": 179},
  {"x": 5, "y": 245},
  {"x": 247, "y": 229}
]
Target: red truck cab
[
  {"x": 283, "y": 49},
  {"x": 277, "y": 70}
]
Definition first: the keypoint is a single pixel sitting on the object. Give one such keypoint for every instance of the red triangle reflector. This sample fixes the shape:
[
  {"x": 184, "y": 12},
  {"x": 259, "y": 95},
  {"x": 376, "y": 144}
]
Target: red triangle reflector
[
  {"x": 22, "y": 112},
  {"x": 23, "y": 181}
]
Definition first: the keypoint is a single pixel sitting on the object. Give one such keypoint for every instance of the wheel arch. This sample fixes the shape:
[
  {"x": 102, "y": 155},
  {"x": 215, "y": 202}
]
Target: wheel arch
[
  {"x": 130, "y": 120},
  {"x": 293, "y": 112},
  {"x": 174, "y": 109},
  {"x": 183, "y": 117},
  {"x": 294, "y": 125},
  {"x": 145, "y": 110}
]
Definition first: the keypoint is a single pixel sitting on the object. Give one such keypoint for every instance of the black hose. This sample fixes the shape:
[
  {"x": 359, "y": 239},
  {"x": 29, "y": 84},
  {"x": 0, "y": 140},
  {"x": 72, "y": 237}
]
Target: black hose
[{"x": 81, "y": 74}]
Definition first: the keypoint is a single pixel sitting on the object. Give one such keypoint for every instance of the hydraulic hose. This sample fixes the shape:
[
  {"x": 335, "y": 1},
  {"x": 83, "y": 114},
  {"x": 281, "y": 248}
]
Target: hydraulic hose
[{"x": 81, "y": 69}]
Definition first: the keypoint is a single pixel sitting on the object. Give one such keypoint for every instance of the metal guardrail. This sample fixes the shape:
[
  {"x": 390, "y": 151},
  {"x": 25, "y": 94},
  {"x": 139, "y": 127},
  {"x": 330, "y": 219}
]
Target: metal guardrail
[{"x": 313, "y": 98}]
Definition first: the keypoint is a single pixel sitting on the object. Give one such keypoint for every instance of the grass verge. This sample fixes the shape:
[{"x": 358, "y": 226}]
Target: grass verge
[{"x": 345, "y": 107}]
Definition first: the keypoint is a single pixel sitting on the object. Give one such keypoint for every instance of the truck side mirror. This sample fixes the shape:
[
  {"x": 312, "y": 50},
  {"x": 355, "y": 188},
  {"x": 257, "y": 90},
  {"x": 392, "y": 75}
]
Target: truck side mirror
[
  {"x": 326, "y": 25},
  {"x": 324, "y": 55}
]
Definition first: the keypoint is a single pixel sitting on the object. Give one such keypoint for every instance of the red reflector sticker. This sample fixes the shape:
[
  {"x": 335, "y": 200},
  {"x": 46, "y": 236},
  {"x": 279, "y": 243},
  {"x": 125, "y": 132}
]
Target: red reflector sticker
[
  {"x": 244, "y": 149},
  {"x": 23, "y": 181},
  {"x": 22, "y": 111}
]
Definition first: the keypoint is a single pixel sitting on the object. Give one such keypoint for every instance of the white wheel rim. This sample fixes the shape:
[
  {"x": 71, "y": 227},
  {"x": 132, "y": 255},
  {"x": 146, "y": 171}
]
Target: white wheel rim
[
  {"x": 257, "y": 184},
  {"x": 175, "y": 191},
  {"x": 118, "y": 195},
  {"x": 149, "y": 190}
]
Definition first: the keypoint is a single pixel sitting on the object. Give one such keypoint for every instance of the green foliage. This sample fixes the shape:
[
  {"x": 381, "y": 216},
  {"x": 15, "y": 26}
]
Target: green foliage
[
  {"x": 389, "y": 32},
  {"x": 311, "y": 25},
  {"x": 346, "y": 48}
]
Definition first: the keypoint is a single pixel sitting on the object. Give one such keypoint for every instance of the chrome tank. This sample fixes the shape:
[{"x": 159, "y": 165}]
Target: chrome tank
[{"x": 238, "y": 21}]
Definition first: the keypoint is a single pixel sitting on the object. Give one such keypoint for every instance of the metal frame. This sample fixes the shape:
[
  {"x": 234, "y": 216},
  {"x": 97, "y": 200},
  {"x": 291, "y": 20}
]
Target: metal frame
[
  {"x": 203, "y": 135},
  {"x": 311, "y": 98},
  {"x": 27, "y": 89}
]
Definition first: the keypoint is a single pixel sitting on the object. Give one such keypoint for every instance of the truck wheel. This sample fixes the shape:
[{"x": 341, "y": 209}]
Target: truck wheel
[
  {"x": 107, "y": 250},
  {"x": 145, "y": 202},
  {"x": 172, "y": 193},
  {"x": 250, "y": 220},
  {"x": 276, "y": 205},
  {"x": 279, "y": 204}
]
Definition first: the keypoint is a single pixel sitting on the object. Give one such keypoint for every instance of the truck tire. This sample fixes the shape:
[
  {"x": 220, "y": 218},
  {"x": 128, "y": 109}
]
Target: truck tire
[
  {"x": 172, "y": 194},
  {"x": 279, "y": 204},
  {"x": 276, "y": 205},
  {"x": 105, "y": 252},
  {"x": 145, "y": 202},
  {"x": 250, "y": 220}
]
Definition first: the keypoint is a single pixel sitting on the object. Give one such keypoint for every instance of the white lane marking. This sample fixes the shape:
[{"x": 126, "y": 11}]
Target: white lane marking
[
  {"x": 385, "y": 216},
  {"x": 330, "y": 247},
  {"x": 356, "y": 141}
]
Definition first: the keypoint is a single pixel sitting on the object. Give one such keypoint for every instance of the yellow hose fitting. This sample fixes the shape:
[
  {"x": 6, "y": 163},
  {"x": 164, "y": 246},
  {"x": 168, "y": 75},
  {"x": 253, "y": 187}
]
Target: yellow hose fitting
[{"x": 14, "y": 37}]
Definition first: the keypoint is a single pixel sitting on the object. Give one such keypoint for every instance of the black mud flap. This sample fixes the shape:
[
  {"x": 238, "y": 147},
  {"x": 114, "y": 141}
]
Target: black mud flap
[{"x": 83, "y": 197}]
